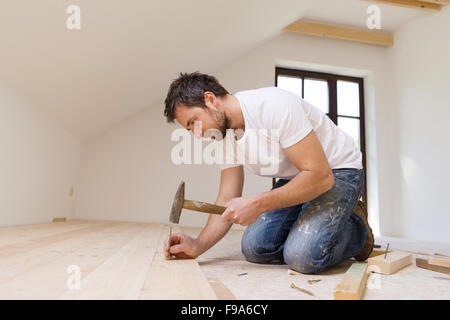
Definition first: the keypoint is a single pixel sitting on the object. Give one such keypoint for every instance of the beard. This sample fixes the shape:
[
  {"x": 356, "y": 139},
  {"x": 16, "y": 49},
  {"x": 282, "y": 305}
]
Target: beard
[{"x": 222, "y": 123}]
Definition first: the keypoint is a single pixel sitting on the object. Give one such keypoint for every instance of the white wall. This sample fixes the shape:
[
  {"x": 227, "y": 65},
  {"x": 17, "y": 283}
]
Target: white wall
[
  {"x": 39, "y": 163},
  {"x": 127, "y": 174},
  {"x": 420, "y": 109}
]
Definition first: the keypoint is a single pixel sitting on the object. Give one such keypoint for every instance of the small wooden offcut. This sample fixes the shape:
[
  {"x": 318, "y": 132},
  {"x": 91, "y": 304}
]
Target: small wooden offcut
[
  {"x": 439, "y": 261},
  {"x": 353, "y": 283},
  {"x": 390, "y": 262}
]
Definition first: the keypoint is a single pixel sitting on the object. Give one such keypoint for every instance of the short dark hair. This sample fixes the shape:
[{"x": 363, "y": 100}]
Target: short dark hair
[{"x": 189, "y": 89}]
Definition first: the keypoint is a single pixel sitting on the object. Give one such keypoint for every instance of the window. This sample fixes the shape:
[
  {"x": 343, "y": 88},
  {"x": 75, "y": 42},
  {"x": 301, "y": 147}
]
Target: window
[{"x": 340, "y": 97}]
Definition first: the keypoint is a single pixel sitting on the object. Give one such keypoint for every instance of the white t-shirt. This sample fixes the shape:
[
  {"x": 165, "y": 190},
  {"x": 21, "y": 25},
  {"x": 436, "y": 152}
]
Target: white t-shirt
[{"x": 276, "y": 119}]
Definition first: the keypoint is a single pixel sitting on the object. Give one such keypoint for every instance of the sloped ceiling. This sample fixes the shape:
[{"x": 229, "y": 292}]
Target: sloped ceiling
[{"x": 127, "y": 51}]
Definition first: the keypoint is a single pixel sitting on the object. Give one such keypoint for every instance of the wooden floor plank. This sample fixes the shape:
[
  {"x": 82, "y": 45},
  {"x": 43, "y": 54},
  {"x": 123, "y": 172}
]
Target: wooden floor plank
[
  {"x": 12, "y": 235},
  {"x": 175, "y": 279},
  {"x": 222, "y": 291},
  {"x": 38, "y": 226},
  {"x": 49, "y": 281},
  {"x": 122, "y": 276},
  {"x": 35, "y": 228},
  {"x": 16, "y": 264},
  {"x": 28, "y": 245},
  {"x": 40, "y": 272}
]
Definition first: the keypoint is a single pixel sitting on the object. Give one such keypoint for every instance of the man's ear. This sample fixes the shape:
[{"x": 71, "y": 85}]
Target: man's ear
[{"x": 210, "y": 99}]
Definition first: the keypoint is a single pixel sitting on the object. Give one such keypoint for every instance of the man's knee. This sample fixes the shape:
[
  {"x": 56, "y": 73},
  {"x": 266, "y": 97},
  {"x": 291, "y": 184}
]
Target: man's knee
[
  {"x": 258, "y": 249},
  {"x": 249, "y": 250},
  {"x": 306, "y": 258}
]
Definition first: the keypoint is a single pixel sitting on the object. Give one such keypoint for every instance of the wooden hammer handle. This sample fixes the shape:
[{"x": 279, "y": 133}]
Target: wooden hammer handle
[{"x": 203, "y": 207}]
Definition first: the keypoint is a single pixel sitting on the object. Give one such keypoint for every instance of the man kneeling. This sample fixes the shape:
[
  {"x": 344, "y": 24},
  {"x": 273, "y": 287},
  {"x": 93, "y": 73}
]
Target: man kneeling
[{"x": 312, "y": 218}]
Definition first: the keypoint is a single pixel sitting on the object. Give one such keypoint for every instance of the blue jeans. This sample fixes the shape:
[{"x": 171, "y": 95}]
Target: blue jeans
[{"x": 312, "y": 236}]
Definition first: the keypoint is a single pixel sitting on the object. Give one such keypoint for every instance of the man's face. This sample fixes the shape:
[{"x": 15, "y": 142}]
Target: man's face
[{"x": 210, "y": 119}]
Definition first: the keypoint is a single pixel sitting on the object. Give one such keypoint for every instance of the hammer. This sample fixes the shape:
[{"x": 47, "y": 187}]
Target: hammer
[{"x": 179, "y": 203}]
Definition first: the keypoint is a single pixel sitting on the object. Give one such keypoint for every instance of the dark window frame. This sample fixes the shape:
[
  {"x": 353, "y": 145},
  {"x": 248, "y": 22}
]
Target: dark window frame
[{"x": 332, "y": 99}]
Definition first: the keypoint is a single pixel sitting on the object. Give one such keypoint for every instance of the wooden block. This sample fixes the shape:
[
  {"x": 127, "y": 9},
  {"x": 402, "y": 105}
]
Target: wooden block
[
  {"x": 439, "y": 261},
  {"x": 353, "y": 283},
  {"x": 422, "y": 263},
  {"x": 59, "y": 219},
  {"x": 394, "y": 261},
  {"x": 377, "y": 253}
]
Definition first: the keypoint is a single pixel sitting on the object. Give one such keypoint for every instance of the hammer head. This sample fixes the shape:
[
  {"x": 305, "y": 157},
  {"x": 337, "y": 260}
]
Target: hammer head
[{"x": 177, "y": 205}]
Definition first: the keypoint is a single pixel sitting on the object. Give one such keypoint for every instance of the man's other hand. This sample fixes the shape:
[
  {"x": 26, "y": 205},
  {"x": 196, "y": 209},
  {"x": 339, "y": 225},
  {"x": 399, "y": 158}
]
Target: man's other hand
[
  {"x": 243, "y": 211},
  {"x": 182, "y": 246}
]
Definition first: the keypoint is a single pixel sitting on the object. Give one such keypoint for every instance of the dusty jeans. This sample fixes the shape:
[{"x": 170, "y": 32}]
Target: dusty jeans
[{"x": 314, "y": 235}]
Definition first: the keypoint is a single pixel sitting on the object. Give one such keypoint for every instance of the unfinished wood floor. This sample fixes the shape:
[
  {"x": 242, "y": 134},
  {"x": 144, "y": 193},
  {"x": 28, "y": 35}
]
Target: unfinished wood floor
[
  {"x": 95, "y": 260},
  {"x": 254, "y": 281},
  {"x": 123, "y": 260}
]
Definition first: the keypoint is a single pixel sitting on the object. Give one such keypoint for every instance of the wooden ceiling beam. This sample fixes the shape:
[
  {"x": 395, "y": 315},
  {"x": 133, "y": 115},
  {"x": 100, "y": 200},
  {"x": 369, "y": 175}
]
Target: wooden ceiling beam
[
  {"x": 443, "y": 2},
  {"x": 342, "y": 33},
  {"x": 413, "y": 4}
]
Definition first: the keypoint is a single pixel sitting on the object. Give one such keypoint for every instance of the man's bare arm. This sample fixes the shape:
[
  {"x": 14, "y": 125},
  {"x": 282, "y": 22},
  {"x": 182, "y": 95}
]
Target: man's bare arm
[
  {"x": 315, "y": 177},
  {"x": 183, "y": 246},
  {"x": 231, "y": 185}
]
